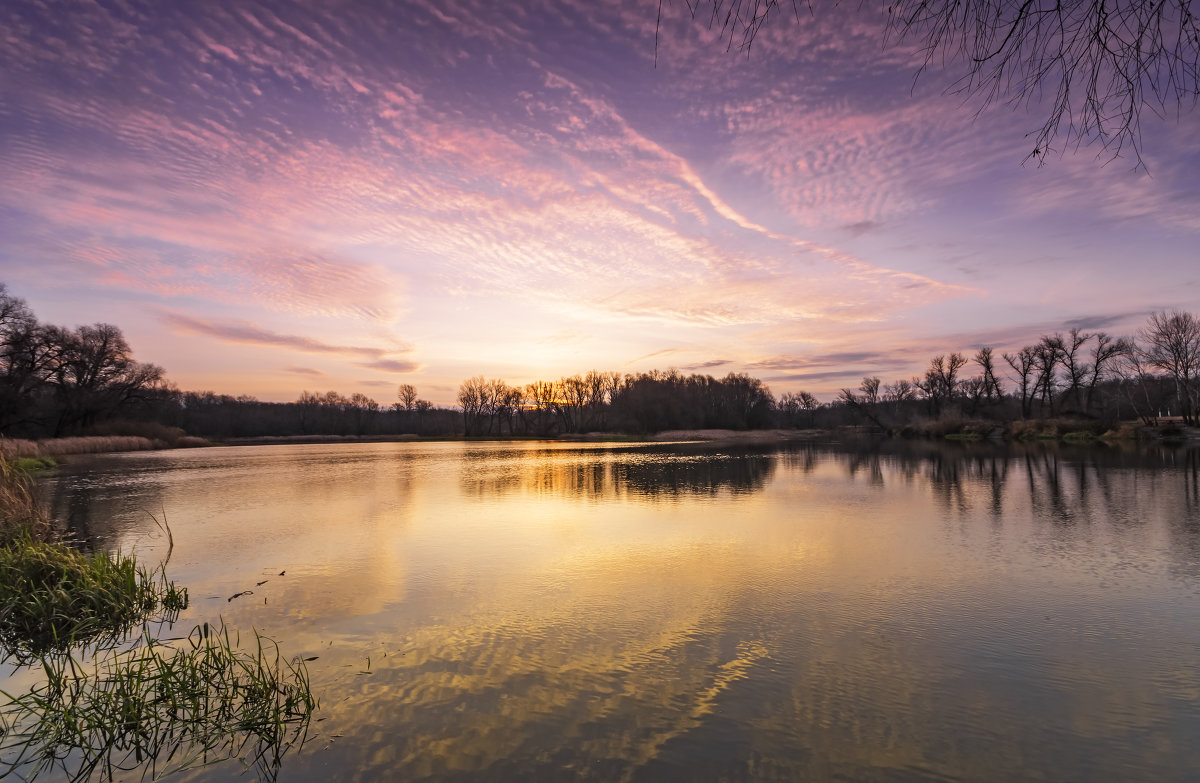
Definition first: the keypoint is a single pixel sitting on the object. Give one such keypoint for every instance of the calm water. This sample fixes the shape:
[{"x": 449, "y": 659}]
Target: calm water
[{"x": 544, "y": 611}]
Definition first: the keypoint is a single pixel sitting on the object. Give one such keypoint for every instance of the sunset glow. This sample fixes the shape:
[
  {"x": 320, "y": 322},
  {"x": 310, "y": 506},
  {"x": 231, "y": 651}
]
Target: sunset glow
[{"x": 269, "y": 197}]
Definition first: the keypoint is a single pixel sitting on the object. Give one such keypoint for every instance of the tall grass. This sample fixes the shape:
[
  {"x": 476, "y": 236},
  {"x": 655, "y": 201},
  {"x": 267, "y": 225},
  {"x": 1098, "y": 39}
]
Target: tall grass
[
  {"x": 160, "y": 709},
  {"x": 95, "y": 444},
  {"x": 19, "y": 510},
  {"x": 14, "y": 448}
]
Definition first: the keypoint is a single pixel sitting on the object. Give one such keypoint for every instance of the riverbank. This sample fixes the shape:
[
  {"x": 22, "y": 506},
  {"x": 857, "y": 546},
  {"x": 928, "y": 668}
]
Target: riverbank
[
  {"x": 705, "y": 435},
  {"x": 1067, "y": 431},
  {"x": 737, "y": 436}
]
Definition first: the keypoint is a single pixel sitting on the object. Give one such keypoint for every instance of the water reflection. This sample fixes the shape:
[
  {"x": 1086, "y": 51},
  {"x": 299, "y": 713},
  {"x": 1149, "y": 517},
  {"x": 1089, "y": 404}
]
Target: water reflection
[
  {"x": 647, "y": 472},
  {"x": 889, "y": 611}
]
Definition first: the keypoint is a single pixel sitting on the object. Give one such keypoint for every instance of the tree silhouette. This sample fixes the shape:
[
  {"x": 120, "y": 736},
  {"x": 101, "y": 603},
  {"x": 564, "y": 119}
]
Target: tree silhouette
[{"x": 1171, "y": 342}]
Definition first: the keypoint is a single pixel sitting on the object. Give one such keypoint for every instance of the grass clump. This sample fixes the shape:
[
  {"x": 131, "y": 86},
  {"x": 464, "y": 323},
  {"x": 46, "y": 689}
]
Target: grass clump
[
  {"x": 52, "y": 596},
  {"x": 160, "y": 709},
  {"x": 33, "y": 464}
]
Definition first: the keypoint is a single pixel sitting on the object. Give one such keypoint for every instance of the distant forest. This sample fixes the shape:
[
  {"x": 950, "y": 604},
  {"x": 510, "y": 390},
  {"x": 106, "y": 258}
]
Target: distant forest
[{"x": 57, "y": 382}]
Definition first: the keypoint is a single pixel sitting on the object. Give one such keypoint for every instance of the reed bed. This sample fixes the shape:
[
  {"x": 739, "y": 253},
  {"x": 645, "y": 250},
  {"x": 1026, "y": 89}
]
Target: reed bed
[
  {"x": 160, "y": 709},
  {"x": 95, "y": 444},
  {"x": 15, "y": 448}
]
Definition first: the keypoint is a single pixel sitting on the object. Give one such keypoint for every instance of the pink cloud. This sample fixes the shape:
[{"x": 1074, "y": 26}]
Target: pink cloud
[{"x": 245, "y": 333}]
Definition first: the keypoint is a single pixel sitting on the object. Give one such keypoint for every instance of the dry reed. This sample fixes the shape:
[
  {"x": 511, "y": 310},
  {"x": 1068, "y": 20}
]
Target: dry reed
[
  {"x": 19, "y": 510},
  {"x": 16, "y": 448}
]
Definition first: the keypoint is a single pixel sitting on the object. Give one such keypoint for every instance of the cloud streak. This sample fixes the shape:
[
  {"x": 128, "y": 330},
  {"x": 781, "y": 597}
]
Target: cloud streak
[{"x": 242, "y": 333}]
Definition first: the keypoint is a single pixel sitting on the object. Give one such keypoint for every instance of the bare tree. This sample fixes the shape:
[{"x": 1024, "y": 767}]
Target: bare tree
[
  {"x": 858, "y": 405},
  {"x": 990, "y": 385},
  {"x": 792, "y": 403},
  {"x": 870, "y": 389},
  {"x": 1022, "y": 362},
  {"x": 1073, "y": 365},
  {"x": 541, "y": 395},
  {"x": 407, "y": 395},
  {"x": 363, "y": 409},
  {"x": 1046, "y": 356},
  {"x": 1140, "y": 388},
  {"x": 509, "y": 402},
  {"x": 572, "y": 399},
  {"x": 973, "y": 390},
  {"x": 1099, "y": 62},
  {"x": 600, "y": 388},
  {"x": 474, "y": 398},
  {"x": 901, "y": 390},
  {"x": 1171, "y": 342},
  {"x": 954, "y": 362},
  {"x": 1105, "y": 353},
  {"x": 25, "y": 359},
  {"x": 941, "y": 383}
]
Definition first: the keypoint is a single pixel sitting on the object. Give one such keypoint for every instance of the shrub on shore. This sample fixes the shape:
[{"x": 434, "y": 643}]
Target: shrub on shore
[
  {"x": 1070, "y": 430},
  {"x": 1127, "y": 430},
  {"x": 949, "y": 427}
]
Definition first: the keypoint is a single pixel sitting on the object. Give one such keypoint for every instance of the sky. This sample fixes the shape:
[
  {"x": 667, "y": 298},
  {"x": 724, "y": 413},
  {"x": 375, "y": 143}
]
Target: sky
[{"x": 271, "y": 197}]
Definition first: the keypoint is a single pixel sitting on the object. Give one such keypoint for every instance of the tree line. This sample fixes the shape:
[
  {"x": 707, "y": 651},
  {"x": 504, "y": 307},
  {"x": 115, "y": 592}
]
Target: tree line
[
  {"x": 1081, "y": 374},
  {"x": 609, "y": 401},
  {"x": 56, "y": 381}
]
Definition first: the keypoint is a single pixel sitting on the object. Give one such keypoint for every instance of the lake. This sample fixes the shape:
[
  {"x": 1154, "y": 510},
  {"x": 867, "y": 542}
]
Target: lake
[{"x": 545, "y": 611}]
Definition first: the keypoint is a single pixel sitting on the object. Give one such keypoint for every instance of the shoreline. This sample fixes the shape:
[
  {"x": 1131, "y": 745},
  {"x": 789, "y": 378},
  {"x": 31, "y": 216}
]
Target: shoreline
[{"x": 14, "y": 449}]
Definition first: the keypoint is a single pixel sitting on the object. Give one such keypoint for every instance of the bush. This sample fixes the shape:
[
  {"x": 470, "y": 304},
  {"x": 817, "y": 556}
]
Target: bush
[
  {"x": 1067, "y": 429},
  {"x": 952, "y": 427},
  {"x": 1124, "y": 431}
]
